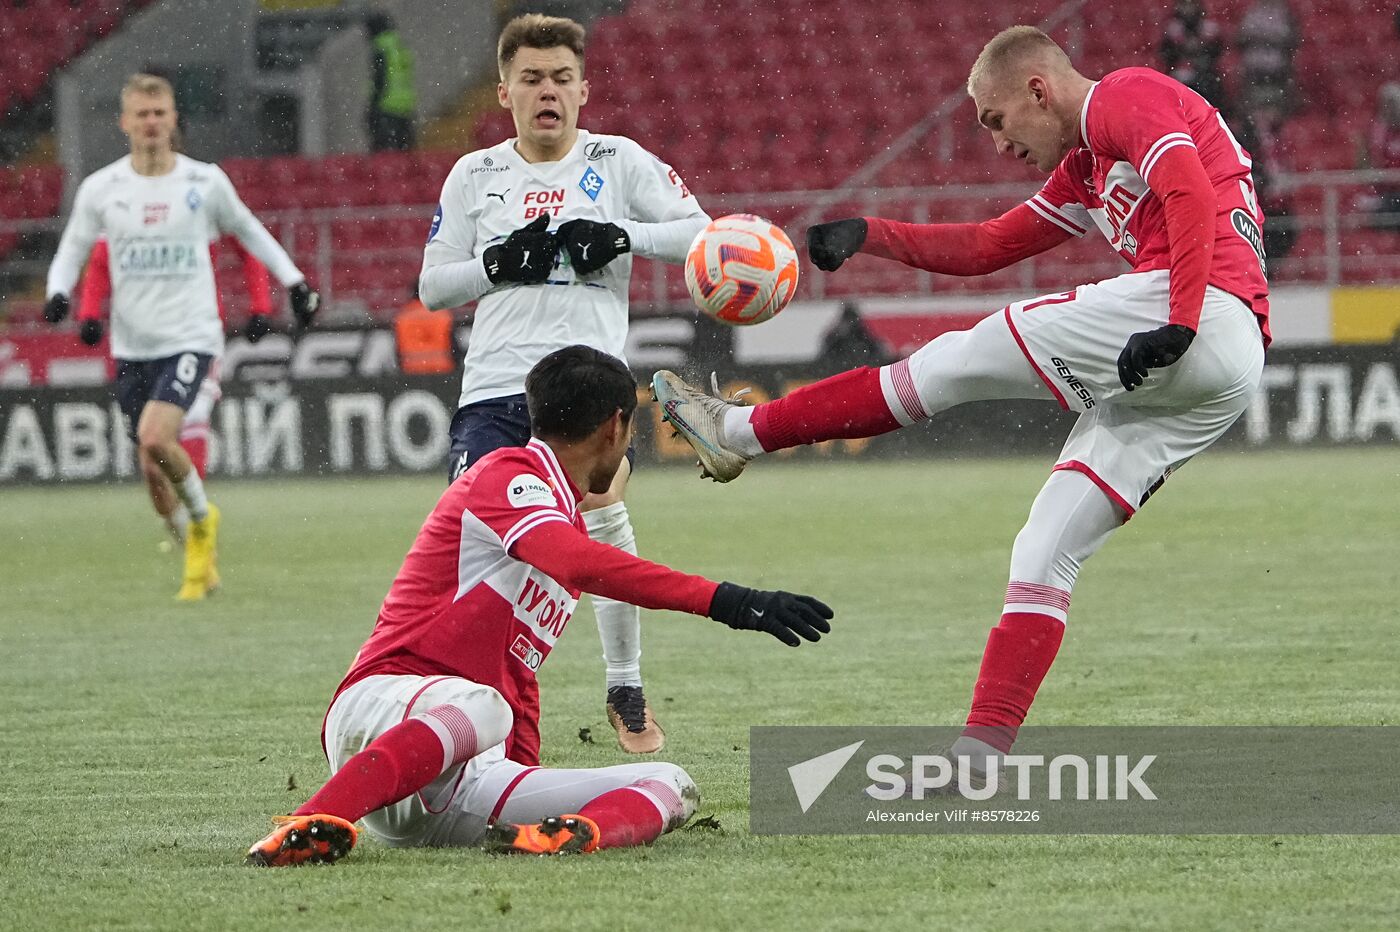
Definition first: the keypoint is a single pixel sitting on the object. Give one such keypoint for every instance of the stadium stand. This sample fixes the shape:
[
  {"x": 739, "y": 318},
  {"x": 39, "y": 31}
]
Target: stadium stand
[
  {"x": 40, "y": 36},
  {"x": 739, "y": 113}
]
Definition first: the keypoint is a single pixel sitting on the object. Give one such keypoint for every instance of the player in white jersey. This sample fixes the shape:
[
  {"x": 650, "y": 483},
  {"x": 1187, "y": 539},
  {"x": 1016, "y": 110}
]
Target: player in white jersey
[
  {"x": 158, "y": 211},
  {"x": 540, "y": 230}
]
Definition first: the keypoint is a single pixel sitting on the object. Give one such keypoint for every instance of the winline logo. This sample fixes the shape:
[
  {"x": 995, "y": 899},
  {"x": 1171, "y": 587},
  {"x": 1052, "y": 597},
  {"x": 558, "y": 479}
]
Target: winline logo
[{"x": 1101, "y": 777}]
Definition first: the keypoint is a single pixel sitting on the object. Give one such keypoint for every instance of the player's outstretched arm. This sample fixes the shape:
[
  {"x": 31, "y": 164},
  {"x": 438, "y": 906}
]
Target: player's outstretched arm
[
  {"x": 945, "y": 248},
  {"x": 79, "y": 236},
  {"x": 568, "y": 556}
]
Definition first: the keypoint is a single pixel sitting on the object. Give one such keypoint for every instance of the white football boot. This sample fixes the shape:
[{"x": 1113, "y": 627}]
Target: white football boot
[{"x": 699, "y": 418}]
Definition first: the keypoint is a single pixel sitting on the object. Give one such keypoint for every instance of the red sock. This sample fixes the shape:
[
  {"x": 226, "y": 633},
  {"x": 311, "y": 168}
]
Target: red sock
[
  {"x": 851, "y": 404},
  {"x": 397, "y": 764},
  {"x": 198, "y": 450},
  {"x": 1019, "y": 653},
  {"x": 625, "y": 817}
]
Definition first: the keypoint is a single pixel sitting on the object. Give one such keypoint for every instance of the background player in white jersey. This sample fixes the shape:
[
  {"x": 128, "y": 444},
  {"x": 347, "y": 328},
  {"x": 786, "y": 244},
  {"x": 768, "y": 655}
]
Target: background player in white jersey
[
  {"x": 159, "y": 210},
  {"x": 541, "y": 229},
  {"x": 433, "y": 735},
  {"x": 1159, "y": 362}
]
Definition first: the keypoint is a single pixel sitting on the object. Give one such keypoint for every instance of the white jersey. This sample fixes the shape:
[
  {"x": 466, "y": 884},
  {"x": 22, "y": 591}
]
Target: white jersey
[
  {"x": 158, "y": 230},
  {"x": 492, "y": 192}
]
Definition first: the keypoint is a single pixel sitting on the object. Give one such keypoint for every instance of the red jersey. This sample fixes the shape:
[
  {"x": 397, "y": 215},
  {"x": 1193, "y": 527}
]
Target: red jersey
[
  {"x": 1129, "y": 120},
  {"x": 492, "y": 580},
  {"x": 462, "y": 605}
]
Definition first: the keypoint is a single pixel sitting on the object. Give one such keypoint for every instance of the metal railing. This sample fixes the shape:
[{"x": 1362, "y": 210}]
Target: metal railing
[{"x": 1339, "y": 241}]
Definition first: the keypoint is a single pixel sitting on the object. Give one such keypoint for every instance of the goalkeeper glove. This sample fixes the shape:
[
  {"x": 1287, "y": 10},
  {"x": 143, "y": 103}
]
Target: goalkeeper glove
[
  {"x": 56, "y": 308},
  {"x": 781, "y": 614},
  {"x": 257, "y": 328},
  {"x": 90, "y": 332},
  {"x": 1152, "y": 349},
  {"x": 592, "y": 245},
  {"x": 305, "y": 304},
  {"x": 830, "y": 244},
  {"x": 525, "y": 257}
]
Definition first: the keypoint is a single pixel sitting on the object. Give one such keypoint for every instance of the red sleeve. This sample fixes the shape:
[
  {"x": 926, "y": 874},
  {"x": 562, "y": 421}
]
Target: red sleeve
[
  {"x": 96, "y": 286},
  {"x": 1188, "y": 200},
  {"x": 1140, "y": 117},
  {"x": 255, "y": 279},
  {"x": 964, "y": 248},
  {"x": 565, "y": 553}
]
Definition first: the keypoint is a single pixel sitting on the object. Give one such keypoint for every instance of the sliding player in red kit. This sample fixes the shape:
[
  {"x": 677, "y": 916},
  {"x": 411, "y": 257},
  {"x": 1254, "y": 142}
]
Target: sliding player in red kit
[
  {"x": 1159, "y": 362},
  {"x": 433, "y": 736}
]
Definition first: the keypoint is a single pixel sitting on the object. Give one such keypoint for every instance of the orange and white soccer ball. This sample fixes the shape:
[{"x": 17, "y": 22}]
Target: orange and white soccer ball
[{"x": 741, "y": 269}]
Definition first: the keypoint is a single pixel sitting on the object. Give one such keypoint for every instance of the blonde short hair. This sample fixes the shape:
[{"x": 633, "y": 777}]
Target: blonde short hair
[
  {"x": 1018, "y": 45},
  {"x": 537, "y": 31},
  {"x": 142, "y": 83}
]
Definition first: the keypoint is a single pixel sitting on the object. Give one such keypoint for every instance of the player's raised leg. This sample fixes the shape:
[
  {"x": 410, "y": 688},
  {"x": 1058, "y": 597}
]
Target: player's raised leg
[
  {"x": 979, "y": 364},
  {"x": 620, "y": 628},
  {"x": 581, "y": 811}
]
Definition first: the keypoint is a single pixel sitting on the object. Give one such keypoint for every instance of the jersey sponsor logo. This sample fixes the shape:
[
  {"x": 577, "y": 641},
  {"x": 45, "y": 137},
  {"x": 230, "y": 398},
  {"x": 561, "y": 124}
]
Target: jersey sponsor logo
[
  {"x": 596, "y": 150},
  {"x": 155, "y": 260},
  {"x": 155, "y": 213},
  {"x": 543, "y": 611},
  {"x": 489, "y": 165},
  {"x": 526, "y": 653},
  {"x": 591, "y": 183},
  {"x": 676, "y": 181},
  {"x": 1072, "y": 381},
  {"x": 1248, "y": 228},
  {"x": 436, "y": 224},
  {"x": 543, "y": 202},
  {"x": 193, "y": 199},
  {"x": 527, "y": 491}
]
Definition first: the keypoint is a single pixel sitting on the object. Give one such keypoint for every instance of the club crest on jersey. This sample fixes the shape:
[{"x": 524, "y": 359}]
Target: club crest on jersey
[
  {"x": 194, "y": 199},
  {"x": 591, "y": 183},
  {"x": 527, "y": 491}
]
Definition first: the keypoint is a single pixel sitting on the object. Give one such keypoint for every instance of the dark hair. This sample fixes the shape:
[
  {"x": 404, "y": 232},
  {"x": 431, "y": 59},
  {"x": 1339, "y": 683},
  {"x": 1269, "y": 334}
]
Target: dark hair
[
  {"x": 572, "y": 391},
  {"x": 537, "y": 31}
]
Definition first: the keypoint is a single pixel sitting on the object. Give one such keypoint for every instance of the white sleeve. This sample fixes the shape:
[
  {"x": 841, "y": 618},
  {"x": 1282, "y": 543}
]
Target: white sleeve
[
  {"x": 665, "y": 217},
  {"x": 452, "y": 275},
  {"x": 74, "y": 247},
  {"x": 231, "y": 215}
]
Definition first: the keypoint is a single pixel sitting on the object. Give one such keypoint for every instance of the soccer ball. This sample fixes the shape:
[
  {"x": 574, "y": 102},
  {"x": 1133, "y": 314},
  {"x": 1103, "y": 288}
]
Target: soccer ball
[{"x": 741, "y": 269}]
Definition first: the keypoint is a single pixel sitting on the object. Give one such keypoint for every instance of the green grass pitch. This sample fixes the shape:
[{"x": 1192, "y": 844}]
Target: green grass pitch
[{"x": 145, "y": 743}]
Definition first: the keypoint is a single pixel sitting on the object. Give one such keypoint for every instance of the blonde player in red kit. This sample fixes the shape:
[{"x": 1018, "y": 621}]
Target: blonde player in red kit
[
  {"x": 1159, "y": 362},
  {"x": 433, "y": 736}
]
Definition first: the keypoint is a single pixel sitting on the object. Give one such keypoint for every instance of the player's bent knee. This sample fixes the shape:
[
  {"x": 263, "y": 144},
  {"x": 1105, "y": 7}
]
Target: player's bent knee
[{"x": 686, "y": 799}]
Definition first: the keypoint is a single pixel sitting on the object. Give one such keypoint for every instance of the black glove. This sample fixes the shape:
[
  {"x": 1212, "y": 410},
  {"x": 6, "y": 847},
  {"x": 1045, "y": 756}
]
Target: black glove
[
  {"x": 257, "y": 328},
  {"x": 526, "y": 256},
  {"x": 305, "y": 304},
  {"x": 56, "y": 308},
  {"x": 830, "y": 244},
  {"x": 592, "y": 245},
  {"x": 781, "y": 614},
  {"x": 1152, "y": 349},
  {"x": 90, "y": 332}
]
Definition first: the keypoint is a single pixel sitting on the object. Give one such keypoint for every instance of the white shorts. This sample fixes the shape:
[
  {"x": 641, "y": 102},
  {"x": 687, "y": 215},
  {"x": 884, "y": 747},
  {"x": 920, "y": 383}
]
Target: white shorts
[
  {"x": 456, "y": 808},
  {"x": 1129, "y": 442}
]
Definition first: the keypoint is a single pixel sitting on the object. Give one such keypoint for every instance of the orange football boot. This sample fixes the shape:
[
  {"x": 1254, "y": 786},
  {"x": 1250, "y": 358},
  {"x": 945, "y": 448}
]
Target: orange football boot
[
  {"x": 565, "y": 834},
  {"x": 306, "y": 839}
]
